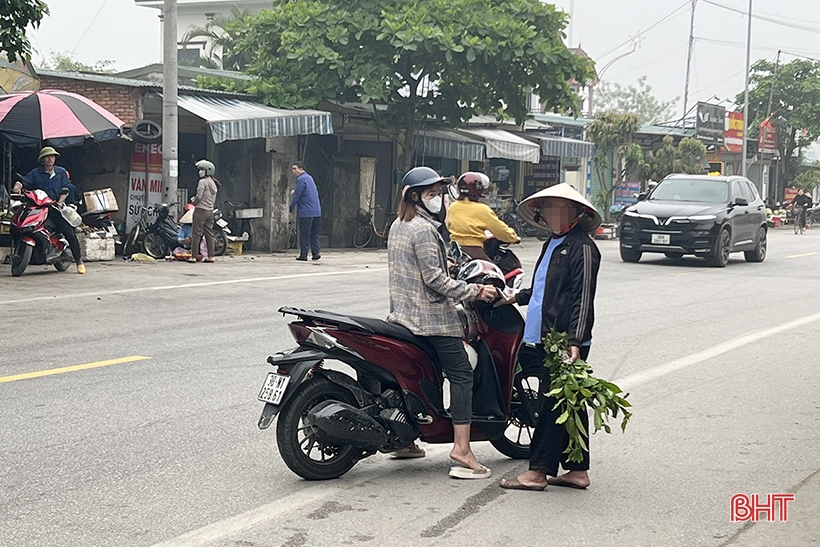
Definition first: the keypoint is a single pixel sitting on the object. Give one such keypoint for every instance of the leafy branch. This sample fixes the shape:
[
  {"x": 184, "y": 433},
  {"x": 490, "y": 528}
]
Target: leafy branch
[{"x": 575, "y": 390}]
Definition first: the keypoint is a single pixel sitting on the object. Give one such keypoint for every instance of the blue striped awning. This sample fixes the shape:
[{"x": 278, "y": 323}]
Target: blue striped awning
[
  {"x": 553, "y": 145},
  {"x": 440, "y": 143},
  {"x": 234, "y": 119}
]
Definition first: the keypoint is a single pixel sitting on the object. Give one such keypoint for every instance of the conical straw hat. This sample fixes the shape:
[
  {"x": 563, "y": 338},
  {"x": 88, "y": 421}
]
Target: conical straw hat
[{"x": 528, "y": 208}]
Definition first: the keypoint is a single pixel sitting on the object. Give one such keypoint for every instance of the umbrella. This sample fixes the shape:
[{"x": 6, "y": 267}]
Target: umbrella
[{"x": 59, "y": 117}]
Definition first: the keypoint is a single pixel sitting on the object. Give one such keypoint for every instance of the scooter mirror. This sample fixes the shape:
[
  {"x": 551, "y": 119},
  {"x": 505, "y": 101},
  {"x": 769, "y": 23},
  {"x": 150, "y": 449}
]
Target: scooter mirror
[{"x": 455, "y": 250}]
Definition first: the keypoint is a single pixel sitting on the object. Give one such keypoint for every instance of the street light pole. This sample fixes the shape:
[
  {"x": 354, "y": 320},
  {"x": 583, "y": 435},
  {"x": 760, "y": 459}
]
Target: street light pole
[
  {"x": 689, "y": 59},
  {"x": 170, "y": 120},
  {"x": 743, "y": 166}
]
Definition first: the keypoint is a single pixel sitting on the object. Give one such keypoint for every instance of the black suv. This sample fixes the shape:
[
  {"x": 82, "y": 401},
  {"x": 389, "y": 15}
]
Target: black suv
[{"x": 702, "y": 215}]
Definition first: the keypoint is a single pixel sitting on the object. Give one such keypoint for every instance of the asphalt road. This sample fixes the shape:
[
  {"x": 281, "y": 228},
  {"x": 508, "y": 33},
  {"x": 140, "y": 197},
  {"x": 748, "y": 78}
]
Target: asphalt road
[{"x": 155, "y": 443}]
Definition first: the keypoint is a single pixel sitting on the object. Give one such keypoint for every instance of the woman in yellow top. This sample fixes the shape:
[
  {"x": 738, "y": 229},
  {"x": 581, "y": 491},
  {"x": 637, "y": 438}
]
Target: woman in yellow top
[{"x": 468, "y": 218}]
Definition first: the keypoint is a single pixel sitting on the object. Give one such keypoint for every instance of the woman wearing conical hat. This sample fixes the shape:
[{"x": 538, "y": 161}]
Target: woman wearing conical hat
[{"x": 562, "y": 297}]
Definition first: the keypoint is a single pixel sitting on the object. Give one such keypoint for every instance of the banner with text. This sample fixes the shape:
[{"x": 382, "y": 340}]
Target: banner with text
[
  {"x": 145, "y": 185},
  {"x": 545, "y": 173}
]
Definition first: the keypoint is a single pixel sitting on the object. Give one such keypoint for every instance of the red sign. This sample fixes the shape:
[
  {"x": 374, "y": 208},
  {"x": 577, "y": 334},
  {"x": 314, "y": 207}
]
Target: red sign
[
  {"x": 733, "y": 137},
  {"x": 775, "y": 509},
  {"x": 789, "y": 194},
  {"x": 767, "y": 141}
]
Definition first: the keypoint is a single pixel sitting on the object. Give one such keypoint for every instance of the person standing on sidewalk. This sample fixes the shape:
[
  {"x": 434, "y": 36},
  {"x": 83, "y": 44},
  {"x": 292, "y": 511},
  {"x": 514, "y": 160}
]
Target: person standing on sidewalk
[
  {"x": 204, "y": 200},
  {"x": 305, "y": 197}
]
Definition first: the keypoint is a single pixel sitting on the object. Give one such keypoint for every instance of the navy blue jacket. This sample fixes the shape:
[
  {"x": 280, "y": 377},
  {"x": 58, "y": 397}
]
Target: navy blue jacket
[
  {"x": 306, "y": 197},
  {"x": 39, "y": 179}
]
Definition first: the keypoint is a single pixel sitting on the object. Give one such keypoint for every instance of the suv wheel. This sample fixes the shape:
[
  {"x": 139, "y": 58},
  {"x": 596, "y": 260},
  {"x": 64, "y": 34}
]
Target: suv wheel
[
  {"x": 720, "y": 252},
  {"x": 759, "y": 254},
  {"x": 630, "y": 255}
]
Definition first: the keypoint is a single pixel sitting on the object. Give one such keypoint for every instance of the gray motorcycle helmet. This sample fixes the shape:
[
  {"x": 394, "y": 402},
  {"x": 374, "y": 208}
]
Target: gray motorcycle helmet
[{"x": 207, "y": 166}]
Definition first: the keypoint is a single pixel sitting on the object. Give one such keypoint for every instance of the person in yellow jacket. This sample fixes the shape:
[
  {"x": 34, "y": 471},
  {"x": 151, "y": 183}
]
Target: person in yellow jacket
[{"x": 468, "y": 218}]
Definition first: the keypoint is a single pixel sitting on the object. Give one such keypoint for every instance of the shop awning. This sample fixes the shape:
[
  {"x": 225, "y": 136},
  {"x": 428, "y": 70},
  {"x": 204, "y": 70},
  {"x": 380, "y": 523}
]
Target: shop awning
[
  {"x": 553, "y": 145},
  {"x": 503, "y": 144},
  {"x": 442, "y": 143},
  {"x": 234, "y": 119}
]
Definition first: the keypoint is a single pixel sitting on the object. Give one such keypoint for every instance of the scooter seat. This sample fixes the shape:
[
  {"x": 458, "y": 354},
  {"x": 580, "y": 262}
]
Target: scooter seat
[{"x": 369, "y": 325}]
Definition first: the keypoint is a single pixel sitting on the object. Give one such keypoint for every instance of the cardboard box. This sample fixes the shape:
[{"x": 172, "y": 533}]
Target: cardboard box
[
  {"x": 96, "y": 249},
  {"x": 100, "y": 201}
]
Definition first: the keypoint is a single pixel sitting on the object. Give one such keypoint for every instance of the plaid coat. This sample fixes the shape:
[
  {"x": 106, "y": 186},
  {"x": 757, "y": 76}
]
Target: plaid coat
[{"x": 422, "y": 293}]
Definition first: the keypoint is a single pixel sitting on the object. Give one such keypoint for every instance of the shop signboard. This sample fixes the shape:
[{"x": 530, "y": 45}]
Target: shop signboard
[
  {"x": 767, "y": 140},
  {"x": 733, "y": 137},
  {"x": 710, "y": 124},
  {"x": 145, "y": 184},
  {"x": 545, "y": 173},
  {"x": 626, "y": 193},
  {"x": 789, "y": 194}
]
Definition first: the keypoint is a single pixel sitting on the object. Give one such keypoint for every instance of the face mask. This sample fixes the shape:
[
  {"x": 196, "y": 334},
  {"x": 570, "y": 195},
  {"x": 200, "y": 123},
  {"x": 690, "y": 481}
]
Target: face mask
[
  {"x": 433, "y": 204},
  {"x": 201, "y": 173}
]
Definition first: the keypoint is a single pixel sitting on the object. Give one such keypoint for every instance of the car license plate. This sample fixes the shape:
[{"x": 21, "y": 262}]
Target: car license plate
[
  {"x": 274, "y": 388},
  {"x": 660, "y": 239}
]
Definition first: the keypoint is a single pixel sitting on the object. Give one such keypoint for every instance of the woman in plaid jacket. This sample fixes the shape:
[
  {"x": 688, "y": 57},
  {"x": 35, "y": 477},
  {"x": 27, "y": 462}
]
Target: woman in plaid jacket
[{"x": 423, "y": 296}]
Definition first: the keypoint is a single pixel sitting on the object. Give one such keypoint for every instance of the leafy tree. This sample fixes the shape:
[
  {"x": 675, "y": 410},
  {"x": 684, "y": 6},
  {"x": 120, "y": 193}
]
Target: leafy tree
[
  {"x": 686, "y": 157},
  {"x": 222, "y": 33},
  {"x": 15, "y": 16},
  {"x": 62, "y": 60},
  {"x": 448, "y": 59},
  {"x": 795, "y": 93},
  {"x": 613, "y": 97},
  {"x": 615, "y": 153},
  {"x": 808, "y": 178}
]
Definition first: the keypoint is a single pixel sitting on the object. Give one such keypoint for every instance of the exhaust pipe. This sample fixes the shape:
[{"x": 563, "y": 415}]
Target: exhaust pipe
[{"x": 341, "y": 423}]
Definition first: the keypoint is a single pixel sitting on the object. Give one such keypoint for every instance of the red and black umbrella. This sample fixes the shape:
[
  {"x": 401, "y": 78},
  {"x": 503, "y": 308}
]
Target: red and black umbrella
[{"x": 61, "y": 118}]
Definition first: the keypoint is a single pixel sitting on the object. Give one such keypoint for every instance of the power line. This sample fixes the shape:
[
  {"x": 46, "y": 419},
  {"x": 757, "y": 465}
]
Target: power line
[
  {"x": 89, "y": 26},
  {"x": 666, "y": 18},
  {"x": 768, "y": 18},
  {"x": 667, "y": 54}
]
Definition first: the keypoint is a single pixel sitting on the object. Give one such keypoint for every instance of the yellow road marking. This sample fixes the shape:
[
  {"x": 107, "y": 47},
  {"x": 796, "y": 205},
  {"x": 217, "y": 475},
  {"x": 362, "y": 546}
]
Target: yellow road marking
[
  {"x": 804, "y": 254},
  {"x": 50, "y": 371}
]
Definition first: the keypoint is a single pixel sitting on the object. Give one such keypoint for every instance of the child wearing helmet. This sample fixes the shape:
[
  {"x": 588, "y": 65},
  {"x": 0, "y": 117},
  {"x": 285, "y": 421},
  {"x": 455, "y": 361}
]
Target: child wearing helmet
[
  {"x": 468, "y": 218},
  {"x": 423, "y": 296}
]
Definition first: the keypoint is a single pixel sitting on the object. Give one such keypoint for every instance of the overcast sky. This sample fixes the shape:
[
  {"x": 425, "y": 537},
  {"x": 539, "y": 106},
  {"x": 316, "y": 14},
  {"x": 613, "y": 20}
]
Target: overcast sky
[{"x": 120, "y": 31}]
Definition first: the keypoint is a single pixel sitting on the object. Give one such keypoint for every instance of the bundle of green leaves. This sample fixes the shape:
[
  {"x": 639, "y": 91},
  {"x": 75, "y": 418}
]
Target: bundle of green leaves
[{"x": 576, "y": 390}]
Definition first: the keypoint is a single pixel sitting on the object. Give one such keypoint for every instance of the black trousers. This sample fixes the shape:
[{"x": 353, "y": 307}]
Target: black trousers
[
  {"x": 309, "y": 236},
  {"x": 68, "y": 232},
  {"x": 550, "y": 439},
  {"x": 456, "y": 366}
]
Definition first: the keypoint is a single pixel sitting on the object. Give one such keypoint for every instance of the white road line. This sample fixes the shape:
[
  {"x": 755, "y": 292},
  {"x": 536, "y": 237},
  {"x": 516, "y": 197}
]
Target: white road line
[
  {"x": 633, "y": 380},
  {"x": 247, "y": 520},
  {"x": 312, "y": 496},
  {"x": 190, "y": 285}
]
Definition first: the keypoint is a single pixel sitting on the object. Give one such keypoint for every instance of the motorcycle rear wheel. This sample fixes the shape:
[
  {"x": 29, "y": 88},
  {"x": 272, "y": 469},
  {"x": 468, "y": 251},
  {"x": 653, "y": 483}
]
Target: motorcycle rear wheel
[
  {"x": 20, "y": 258},
  {"x": 155, "y": 246},
  {"x": 302, "y": 451},
  {"x": 220, "y": 242},
  {"x": 515, "y": 442}
]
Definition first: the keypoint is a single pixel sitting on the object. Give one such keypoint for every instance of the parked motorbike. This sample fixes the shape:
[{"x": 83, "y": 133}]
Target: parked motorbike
[
  {"x": 34, "y": 240},
  {"x": 506, "y": 260},
  {"x": 523, "y": 229},
  {"x": 161, "y": 236},
  {"x": 329, "y": 420}
]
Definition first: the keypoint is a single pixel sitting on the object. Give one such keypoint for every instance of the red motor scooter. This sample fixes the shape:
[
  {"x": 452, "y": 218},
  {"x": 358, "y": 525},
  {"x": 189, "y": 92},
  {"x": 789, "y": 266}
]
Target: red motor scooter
[
  {"x": 329, "y": 420},
  {"x": 33, "y": 240}
]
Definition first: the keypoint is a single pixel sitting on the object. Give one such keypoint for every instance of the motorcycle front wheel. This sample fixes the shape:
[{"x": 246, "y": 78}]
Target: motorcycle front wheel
[
  {"x": 516, "y": 440},
  {"x": 304, "y": 453},
  {"x": 20, "y": 258}
]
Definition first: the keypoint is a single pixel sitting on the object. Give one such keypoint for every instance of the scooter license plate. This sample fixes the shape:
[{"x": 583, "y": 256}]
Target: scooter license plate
[
  {"x": 274, "y": 388},
  {"x": 222, "y": 223}
]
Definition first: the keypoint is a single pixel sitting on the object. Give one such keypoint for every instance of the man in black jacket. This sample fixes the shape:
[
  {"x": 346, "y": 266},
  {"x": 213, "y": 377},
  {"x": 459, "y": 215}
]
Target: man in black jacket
[{"x": 562, "y": 297}]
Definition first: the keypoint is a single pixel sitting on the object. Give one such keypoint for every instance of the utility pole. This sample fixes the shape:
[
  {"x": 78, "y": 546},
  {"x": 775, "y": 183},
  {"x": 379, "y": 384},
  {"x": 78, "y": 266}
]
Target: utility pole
[
  {"x": 571, "y": 21},
  {"x": 743, "y": 166},
  {"x": 774, "y": 81},
  {"x": 689, "y": 60},
  {"x": 170, "y": 119}
]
